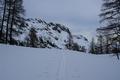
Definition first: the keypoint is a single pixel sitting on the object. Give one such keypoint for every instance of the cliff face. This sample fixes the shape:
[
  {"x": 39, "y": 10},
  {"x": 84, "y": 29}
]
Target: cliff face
[{"x": 54, "y": 35}]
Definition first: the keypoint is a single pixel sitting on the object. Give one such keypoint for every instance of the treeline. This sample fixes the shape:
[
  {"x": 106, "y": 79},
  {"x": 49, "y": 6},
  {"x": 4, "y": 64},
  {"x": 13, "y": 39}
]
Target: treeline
[
  {"x": 11, "y": 20},
  {"x": 108, "y": 35}
]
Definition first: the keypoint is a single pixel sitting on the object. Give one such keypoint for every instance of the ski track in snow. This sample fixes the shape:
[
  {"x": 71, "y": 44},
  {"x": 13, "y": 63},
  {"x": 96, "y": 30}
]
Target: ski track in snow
[{"x": 62, "y": 67}]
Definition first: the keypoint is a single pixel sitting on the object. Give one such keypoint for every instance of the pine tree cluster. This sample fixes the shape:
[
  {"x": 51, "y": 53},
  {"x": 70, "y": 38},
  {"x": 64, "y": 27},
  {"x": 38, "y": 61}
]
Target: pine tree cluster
[
  {"x": 109, "y": 32},
  {"x": 11, "y": 20}
]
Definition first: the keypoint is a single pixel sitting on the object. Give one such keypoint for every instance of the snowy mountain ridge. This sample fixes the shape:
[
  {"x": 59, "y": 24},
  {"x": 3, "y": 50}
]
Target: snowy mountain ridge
[{"x": 54, "y": 35}]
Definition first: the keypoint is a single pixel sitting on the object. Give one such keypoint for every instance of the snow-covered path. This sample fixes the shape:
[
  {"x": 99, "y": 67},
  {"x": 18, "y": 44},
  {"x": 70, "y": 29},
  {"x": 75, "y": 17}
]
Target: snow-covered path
[
  {"x": 62, "y": 67},
  {"x": 17, "y": 63}
]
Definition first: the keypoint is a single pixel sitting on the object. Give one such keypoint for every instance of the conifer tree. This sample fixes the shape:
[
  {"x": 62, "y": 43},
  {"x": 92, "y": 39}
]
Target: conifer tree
[
  {"x": 17, "y": 18},
  {"x": 33, "y": 40},
  {"x": 92, "y": 46},
  {"x": 13, "y": 17},
  {"x": 110, "y": 20}
]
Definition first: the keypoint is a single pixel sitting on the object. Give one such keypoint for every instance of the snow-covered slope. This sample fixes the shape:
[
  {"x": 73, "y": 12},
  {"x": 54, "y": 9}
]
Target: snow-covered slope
[
  {"x": 52, "y": 34},
  {"x": 20, "y": 63},
  {"x": 57, "y": 34}
]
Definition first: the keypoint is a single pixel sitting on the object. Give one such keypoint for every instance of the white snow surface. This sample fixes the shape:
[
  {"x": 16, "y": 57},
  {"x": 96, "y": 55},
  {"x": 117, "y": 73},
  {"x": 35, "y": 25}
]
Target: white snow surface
[{"x": 20, "y": 63}]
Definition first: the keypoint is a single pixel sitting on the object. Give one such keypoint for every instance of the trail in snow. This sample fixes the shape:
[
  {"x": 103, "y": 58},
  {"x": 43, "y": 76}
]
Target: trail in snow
[{"x": 62, "y": 68}]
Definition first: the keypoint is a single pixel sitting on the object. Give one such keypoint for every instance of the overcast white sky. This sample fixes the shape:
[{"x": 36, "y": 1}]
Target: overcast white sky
[{"x": 81, "y": 16}]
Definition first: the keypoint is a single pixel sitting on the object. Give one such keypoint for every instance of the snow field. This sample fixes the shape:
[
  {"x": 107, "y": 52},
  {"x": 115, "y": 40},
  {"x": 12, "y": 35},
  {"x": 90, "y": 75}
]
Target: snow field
[{"x": 20, "y": 63}]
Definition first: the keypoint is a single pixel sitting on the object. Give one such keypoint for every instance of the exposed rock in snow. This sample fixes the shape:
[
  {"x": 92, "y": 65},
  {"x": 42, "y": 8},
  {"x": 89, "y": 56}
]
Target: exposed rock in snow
[{"x": 53, "y": 35}]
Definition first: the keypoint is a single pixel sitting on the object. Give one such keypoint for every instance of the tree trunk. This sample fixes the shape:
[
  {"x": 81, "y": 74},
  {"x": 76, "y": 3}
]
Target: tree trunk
[
  {"x": 107, "y": 45},
  {"x": 12, "y": 22},
  {"x": 1, "y": 31},
  {"x": 101, "y": 44},
  {"x": 117, "y": 56},
  {"x": 8, "y": 19}
]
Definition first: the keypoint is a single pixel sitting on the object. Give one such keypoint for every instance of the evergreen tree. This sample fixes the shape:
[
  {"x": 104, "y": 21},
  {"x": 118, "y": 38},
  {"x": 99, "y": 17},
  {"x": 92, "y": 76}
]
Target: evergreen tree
[
  {"x": 33, "y": 40},
  {"x": 100, "y": 43},
  {"x": 111, "y": 13},
  {"x": 17, "y": 20},
  {"x": 92, "y": 46},
  {"x": 13, "y": 16},
  {"x": 110, "y": 19}
]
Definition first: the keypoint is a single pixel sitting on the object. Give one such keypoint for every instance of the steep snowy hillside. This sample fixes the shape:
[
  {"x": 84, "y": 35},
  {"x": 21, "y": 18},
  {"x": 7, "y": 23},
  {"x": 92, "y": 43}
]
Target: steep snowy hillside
[
  {"x": 53, "y": 35},
  {"x": 20, "y": 63}
]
